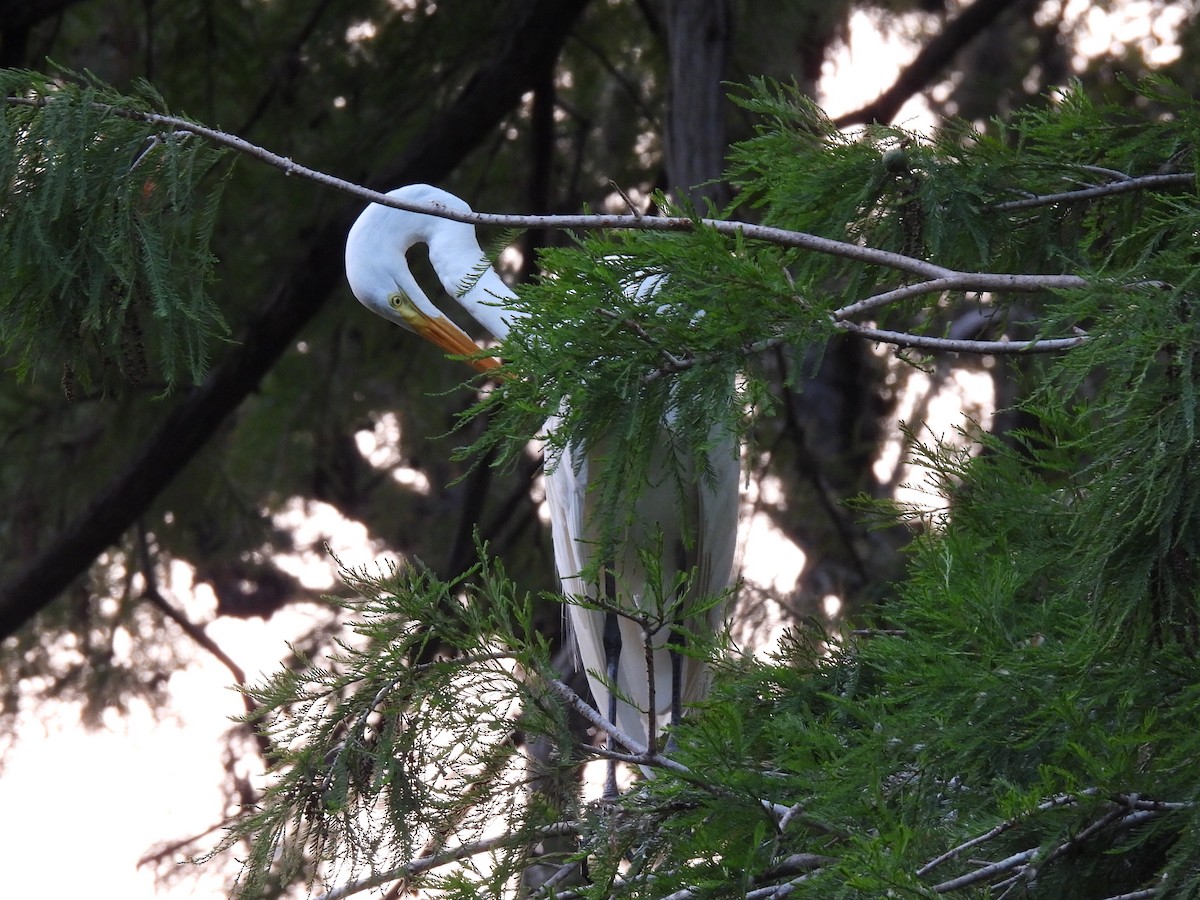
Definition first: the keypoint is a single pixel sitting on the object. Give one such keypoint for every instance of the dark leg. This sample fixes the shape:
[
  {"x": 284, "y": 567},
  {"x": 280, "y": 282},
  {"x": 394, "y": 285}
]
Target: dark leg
[
  {"x": 612, "y": 656},
  {"x": 676, "y": 640}
]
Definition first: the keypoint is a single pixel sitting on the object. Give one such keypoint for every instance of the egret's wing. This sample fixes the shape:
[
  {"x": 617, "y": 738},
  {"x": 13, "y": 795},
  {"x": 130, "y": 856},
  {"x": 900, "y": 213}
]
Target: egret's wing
[
  {"x": 566, "y": 497},
  {"x": 568, "y": 501},
  {"x": 711, "y": 506},
  {"x": 718, "y": 498}
]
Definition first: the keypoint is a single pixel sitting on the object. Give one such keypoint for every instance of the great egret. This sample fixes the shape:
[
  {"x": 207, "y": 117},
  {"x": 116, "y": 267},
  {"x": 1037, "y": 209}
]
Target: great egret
[{"x": 379, "y": 275}]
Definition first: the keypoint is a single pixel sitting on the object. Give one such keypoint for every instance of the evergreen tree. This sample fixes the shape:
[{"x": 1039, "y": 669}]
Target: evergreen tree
[
  {"x": 1019, "y": 696},
  {"x": 1028, "y": 698}
]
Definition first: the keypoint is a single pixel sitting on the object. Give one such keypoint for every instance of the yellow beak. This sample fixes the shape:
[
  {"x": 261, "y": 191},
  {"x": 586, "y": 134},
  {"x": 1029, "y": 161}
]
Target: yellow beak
[{"x": 452, "y": 339}]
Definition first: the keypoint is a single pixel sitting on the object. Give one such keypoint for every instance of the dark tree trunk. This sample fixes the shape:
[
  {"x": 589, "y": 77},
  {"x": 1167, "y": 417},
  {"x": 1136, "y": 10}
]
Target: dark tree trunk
[{"x": 699, "y": 34}]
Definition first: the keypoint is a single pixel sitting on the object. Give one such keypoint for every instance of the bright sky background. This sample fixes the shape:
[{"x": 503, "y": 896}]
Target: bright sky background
[{"x": 80, "y": 808}]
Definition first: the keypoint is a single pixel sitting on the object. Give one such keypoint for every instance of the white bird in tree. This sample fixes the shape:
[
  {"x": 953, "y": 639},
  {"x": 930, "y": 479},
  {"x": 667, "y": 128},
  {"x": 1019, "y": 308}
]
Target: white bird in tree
[{"x": 697, "y": 529}]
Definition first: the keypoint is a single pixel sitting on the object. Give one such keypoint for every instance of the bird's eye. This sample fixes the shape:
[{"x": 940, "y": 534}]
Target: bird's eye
[{"x": 406, "y": 310}]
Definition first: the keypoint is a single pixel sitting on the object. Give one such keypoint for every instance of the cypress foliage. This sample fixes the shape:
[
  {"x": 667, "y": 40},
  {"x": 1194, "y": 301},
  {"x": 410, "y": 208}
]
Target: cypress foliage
[
  {"x": 106, "y": 272},
  {"x": 1020, "y": 718}
]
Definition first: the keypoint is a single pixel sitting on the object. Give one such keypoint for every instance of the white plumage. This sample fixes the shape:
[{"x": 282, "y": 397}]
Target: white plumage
[{"x": 379, "y": 275}]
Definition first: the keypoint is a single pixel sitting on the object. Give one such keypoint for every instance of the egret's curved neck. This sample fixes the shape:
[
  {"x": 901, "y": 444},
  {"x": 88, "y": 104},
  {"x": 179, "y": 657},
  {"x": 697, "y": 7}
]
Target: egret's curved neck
[{"x": 463, "y": 269}]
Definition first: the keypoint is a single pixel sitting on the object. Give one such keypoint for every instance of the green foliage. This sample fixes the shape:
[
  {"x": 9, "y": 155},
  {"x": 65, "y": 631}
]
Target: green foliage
[
  {"x": 634, "y": 329},
  {"x": 106, "y": 228},
  {"x": 1022, "y": 721},
  {"x": 1031, "y": 702},
  {"x": 408, "y": 736}
]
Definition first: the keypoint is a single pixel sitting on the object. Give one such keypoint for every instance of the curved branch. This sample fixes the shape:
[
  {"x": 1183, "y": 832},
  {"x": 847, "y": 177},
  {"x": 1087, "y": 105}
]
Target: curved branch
[
  {"x": 288, "y": 166},
  {"x": 984, "y": 873},
  {"x": 938, "y": 277}
]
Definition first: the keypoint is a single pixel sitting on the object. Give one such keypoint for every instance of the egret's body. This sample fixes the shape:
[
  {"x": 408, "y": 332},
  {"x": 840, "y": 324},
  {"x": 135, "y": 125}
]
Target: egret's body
[{"x": 697, "y": 530}]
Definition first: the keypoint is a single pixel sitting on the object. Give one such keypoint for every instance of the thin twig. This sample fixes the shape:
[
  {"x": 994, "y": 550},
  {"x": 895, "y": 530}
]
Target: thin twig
[
  {"x": 986, "y": 872},
  {"x": 679, "y": 365},
  {"x": 672, "y": 361},
  {"x": 624, "y": 196},
  {"x": 453, "y": 854},
  {"x": 1135, "y": 802},
  {"x": 154, "y": 596},
  {"x": 1101, "y": 170},
  {"x": 560, "y": 874},
  {"x": 651, "y": 692},
  {"x": 360, "y": 722},
  {"x": 1130, "y": 184},
  {"x": 638, "y": 753},
  {"x": 1053, "y": 802},
  {"x": 951, "y": 345}
]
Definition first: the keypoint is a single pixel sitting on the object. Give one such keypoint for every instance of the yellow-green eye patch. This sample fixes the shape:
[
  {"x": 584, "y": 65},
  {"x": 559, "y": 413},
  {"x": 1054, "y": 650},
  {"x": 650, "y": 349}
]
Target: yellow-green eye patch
[{"x": 406, "y": 308}]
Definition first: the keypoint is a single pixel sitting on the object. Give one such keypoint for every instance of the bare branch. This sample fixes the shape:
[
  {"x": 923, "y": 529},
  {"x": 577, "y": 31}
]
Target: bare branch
[
  {"x": 936, "y": 278},
  {"x": 809, "y": 864},
  {"x": 1118, "y": 817},
  {"x": 453, "y": 854},
  {"x": 985, "y": 873},
  {"x": 768, "y": 234},
  {"x": 1112, "y": 174},
  {"x": 1128, "y": 185},
  {"x": 1126, "y": 810},
  {"x": 951, "y": 345},
  {"x": 1059, "y": 800},
  {"x": 1133, "y": 801},
  {"x": 929, "y": 63},
  {"x": 651, "y": 690},
  {"x": 936, "y": 285},
  {"x": 638, "y": 753}
]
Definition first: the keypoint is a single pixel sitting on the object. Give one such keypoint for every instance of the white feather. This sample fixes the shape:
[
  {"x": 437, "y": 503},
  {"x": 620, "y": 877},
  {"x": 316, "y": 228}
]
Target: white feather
[{"x": 377, "y": 268}]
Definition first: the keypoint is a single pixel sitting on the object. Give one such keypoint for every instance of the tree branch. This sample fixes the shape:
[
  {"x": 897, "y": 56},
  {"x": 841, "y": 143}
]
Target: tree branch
[
  {"x": 454, "y": 854},
  {"x": 985, "y": 873},
  {"x": 929, "y": 63},
  {"x": 946, "y": 278},
  {"x": 1124, "y": 186},
  {"x": 1124, "y": 811},
  {"x": 154, "y": 596},
  {"x": 952, "y": 345},
  {"x": 939, "y": 278},
  {"x": 1059, "y": 800}
]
